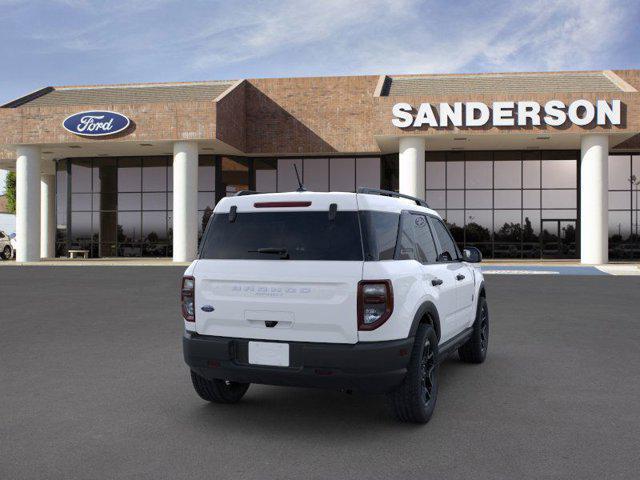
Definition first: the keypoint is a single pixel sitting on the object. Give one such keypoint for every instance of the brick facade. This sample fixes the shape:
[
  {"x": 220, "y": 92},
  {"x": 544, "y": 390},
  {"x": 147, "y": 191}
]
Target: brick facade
[{"x": 290, "y": 116}]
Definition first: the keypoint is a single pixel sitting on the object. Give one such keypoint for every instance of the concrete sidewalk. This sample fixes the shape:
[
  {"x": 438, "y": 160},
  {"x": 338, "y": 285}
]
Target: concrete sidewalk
[
  {"x": 492, "y": 266},
  {"x": 99, "y": 262}
]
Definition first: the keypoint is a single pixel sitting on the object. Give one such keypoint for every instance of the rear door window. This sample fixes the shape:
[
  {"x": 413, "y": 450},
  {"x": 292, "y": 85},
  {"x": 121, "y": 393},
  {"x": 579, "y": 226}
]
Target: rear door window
[
  {"x": 284, "y": 236},
  {"x": 448, "y": 248},
  {"x": 425, "y": 246},
  {"x": 406, "y": 249}
]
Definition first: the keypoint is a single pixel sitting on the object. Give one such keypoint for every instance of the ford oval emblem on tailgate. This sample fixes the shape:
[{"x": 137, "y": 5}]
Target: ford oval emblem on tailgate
[{"x": 207, "y": 308}]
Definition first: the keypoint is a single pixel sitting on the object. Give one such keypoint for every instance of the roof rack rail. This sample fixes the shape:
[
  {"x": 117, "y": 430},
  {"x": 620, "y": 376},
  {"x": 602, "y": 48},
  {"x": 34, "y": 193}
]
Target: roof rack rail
[
  {"x": 389, "y": 193},
  {"x": 242, "y": 193}
]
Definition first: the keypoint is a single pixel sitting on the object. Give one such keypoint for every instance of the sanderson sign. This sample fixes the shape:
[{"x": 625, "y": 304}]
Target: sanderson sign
[
  {"x": 96, "y": 123},
  {"x": 507, "y": 114}
]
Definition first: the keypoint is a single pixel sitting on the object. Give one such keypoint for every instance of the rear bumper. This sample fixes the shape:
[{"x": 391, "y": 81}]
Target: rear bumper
[{"x": 372, "y": 367}]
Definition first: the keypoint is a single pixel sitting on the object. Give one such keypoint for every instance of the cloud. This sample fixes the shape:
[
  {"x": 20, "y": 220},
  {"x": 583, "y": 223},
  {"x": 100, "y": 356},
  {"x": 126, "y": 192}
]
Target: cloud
[
  {"x": 81, "y": 41},
  {"x": 543, "y": 35},
  {"x": 290, "y": 24}
]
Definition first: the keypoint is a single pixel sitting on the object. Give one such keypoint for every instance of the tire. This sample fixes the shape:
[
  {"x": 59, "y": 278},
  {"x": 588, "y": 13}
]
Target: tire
[
  {"x": 475, "y": 349},
  {"x": 7, "y": 253},
  {"x": 218, "y": 391},
  {"x": 415, "y": 399}
]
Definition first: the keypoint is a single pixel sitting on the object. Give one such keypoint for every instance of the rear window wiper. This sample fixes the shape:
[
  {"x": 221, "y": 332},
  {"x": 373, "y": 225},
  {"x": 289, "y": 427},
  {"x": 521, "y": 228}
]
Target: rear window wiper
[{"x": 284, "y": 254}]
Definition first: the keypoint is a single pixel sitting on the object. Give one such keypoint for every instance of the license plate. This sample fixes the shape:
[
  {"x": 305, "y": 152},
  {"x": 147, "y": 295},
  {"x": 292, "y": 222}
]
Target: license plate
[{"x": 269, "y": 353}]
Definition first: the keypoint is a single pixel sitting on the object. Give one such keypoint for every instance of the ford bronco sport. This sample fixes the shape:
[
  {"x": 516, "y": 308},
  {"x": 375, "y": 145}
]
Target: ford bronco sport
[{"x": 358, "y": 291}]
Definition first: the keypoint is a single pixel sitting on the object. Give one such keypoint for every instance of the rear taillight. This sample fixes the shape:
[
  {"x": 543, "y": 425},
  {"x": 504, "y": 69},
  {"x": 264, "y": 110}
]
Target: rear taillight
[
  {"x": 187, "y": 299},
  {"x": 375, "y": 303}
]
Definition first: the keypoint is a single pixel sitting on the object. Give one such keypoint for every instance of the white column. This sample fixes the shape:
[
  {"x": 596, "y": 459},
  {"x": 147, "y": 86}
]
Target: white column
[
  {"x": 185, "y": 201},
  {"x": 28, "y": 203},
  {"x": 594, "y": 200},
  {"x": 411, "y": 181},
  {"x": 48, "y": 210}
]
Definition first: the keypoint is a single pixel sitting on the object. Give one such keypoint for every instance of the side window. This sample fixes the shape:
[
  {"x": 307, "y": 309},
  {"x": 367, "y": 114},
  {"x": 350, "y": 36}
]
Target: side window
[
  {"x": 448, "y": 247},
  {"x": 1, "y": 235},
  {"x": 379, "y": 232},
  {"x": 405, "y": 248},
  {"x": 425, "y": 246}
]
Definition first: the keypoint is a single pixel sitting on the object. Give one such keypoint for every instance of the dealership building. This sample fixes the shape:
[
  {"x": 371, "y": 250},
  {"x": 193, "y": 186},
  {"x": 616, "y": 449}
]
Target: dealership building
[{"x": 521, "y": 165}]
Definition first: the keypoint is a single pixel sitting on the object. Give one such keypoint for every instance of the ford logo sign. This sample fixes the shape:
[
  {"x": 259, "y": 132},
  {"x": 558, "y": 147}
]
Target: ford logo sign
[{"x": 96, "y": 123}]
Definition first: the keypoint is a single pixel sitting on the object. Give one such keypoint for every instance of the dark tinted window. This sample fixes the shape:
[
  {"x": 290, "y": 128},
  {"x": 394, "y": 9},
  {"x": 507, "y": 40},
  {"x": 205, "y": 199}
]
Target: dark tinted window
[
  {"x": 303, "y": 235},
  {"x": 446, "y": 242},
  {"x": 406, "y": 250},
  {"x": 425, "y": 246},
  {"x": 380, "y": 231}
]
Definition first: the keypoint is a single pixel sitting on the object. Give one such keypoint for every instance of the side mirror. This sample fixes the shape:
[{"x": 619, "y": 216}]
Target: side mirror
[{"x": 471, "y": 255}]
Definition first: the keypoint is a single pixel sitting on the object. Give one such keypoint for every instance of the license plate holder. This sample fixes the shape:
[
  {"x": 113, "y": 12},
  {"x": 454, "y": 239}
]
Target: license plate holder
[{"x": 274, "y": 354}]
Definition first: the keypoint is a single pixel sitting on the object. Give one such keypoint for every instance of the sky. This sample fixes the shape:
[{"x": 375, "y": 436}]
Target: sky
[{"x": 76, "y": 42}]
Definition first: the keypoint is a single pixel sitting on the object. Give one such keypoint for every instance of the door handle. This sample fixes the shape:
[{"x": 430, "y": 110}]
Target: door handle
[
  {"x": 459, "y": 277},
  {"x": 436, "y": 281}
]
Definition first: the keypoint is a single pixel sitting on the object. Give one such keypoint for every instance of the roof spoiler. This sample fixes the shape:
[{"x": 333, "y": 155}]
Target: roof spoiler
[{"x": 389, "y": 193}]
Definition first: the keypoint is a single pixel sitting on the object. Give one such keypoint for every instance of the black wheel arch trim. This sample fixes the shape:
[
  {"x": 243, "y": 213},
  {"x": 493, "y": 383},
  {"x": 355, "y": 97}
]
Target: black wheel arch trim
[
  {"x": 427, "y": 308},
  {"x": 482, "y": 292}
]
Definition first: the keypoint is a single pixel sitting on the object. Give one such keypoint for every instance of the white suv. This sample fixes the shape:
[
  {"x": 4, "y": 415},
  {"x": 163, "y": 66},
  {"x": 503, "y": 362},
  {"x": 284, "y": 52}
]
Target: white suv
[{"x": 358, "y": 291}]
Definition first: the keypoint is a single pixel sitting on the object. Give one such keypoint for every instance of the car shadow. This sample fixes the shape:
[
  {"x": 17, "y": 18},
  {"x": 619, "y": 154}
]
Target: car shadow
[{"x": 307, "y": 410}]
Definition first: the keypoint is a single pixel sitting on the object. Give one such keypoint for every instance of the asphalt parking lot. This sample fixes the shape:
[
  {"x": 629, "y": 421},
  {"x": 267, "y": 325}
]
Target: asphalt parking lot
[{"x": 92, "y": 385}]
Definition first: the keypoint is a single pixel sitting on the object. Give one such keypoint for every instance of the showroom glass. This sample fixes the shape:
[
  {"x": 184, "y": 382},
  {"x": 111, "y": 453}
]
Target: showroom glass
[
  {"x": 124, "y": 206},
  {"x": 319, "y": 174},
  {"x": 624, "y": 197},
  {"x": 499, "y": 201}
]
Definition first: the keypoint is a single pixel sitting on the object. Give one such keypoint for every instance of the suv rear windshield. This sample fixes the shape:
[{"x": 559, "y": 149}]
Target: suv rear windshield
[{"x": 284, "y": 235}]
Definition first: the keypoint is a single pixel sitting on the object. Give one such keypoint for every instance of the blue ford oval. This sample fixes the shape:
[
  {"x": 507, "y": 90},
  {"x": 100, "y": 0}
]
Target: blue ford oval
[{"x": 96, "y": 123}]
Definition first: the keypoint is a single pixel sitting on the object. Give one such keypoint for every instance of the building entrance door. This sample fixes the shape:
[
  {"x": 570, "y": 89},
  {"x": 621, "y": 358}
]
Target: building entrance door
[{"x": 558, "y": 238}]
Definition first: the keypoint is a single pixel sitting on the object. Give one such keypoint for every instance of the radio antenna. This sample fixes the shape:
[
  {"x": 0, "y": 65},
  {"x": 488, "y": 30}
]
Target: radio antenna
[{"x": 300, "y": 185}]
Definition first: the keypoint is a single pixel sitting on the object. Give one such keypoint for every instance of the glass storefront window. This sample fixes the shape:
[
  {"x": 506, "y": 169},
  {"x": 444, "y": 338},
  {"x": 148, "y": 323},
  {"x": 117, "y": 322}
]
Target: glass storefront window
[
  {"x": 81, "y": 175},
  {"x": 437, "y": 199},
  {"x": 624, "y": 198},
  {"x": 342, "y": 175},
  {"x": 479, "y": 199},
  {"x": 435, "y": 172},
  {"x": 507, "y": 199},
  {"x": 129, "y": 174},
  {"x": 367, "y": 172},
  {"x": 479, "y": 174},
  {"x": 559, "y": 173},
  {"x": 266, "y": 175},
  {"x": 154, "y": 174},
  {"x": 531, "y": 174},
  {"x": 455, "y": 174},
  {"x": 507, "y": 174},
  {"x": 316, "y": 174},
  {"x": 497, "y": 200},
  {"x": 455, "y": 199}
]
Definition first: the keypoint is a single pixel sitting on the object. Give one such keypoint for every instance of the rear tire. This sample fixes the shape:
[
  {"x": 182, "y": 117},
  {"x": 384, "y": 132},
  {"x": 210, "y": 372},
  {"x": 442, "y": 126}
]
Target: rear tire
[
  {"x": 7, "y": 253},
  {"x": 415, "y": 399},
  {"x": 218, "y": 391},
  {"x": 475, "y": 349}
]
